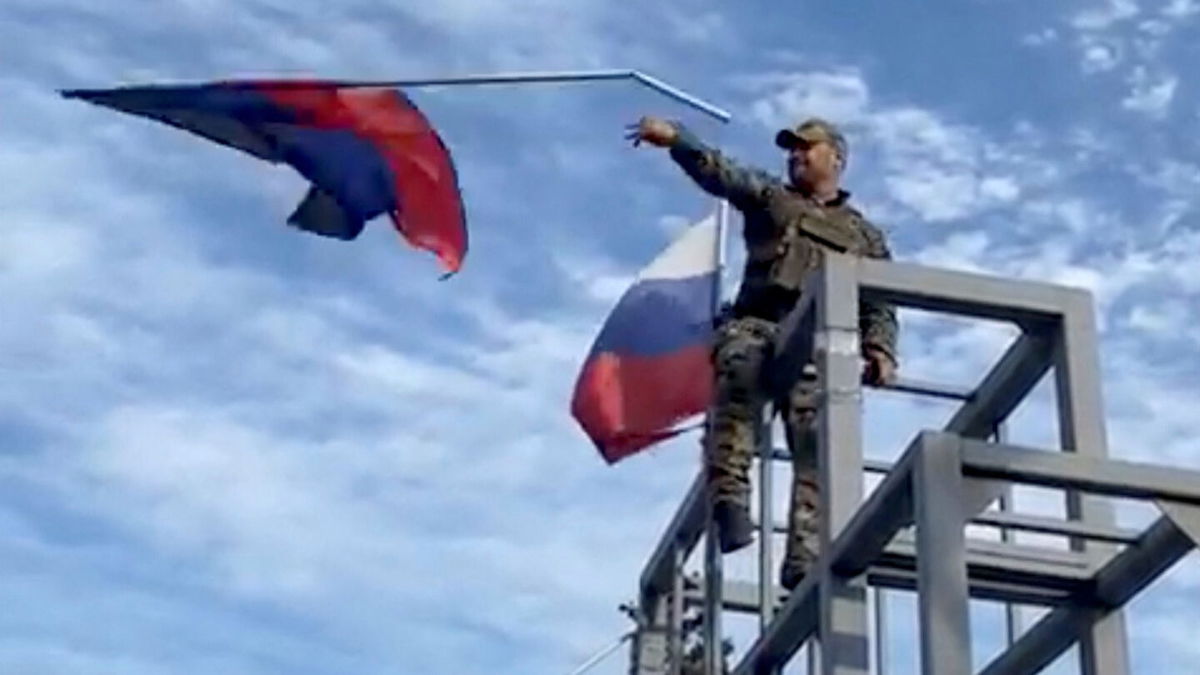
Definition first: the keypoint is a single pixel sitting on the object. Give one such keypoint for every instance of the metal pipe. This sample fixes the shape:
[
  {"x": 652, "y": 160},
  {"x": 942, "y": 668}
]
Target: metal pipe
[
  {"x": 1011, "y": 616},
  {"x": 932, "y": 389},
  {"x": 713, "y": 574},
  {"x": 675, "y": 637},
  {"x": 531, "y": 78},
  {"x": 679, "y": 95},
  {"x": 766, "y": 519}
]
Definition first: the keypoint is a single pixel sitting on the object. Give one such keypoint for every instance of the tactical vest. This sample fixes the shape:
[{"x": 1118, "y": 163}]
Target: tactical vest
[{"x": 785, "y": 240}]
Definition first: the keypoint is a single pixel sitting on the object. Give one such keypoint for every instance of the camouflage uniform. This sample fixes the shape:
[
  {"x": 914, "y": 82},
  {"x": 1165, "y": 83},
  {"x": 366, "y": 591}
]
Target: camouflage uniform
[{"x": 786, "y": 233}]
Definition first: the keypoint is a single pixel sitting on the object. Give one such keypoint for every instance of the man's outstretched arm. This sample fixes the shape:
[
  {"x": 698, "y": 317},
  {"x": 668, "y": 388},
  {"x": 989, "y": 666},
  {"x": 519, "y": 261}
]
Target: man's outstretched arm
[{"x": 714, "y": 172}]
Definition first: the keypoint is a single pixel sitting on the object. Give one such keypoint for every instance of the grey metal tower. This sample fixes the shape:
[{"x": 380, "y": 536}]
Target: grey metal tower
[{"x": 910, "y": 532}]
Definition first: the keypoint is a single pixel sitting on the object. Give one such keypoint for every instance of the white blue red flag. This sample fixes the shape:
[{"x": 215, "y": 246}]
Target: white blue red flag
[{"x": 649, "y": 368}]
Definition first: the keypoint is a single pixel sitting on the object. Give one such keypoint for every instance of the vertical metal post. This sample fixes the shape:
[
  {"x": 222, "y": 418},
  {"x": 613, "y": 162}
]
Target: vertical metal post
[
  {"x": 1011, "y": 618},
  {"x": 766, "y": 518},
  {"x": 713, "y": 574},
  {"x": 843, "y": 621},
  {"x": 881, "y": 646},
  {"x": 942, "y": 591},
  {"x": 650, "y": 652},
  {"x": 1104, "y": 648},
  {"x": 675, "y": 637}
]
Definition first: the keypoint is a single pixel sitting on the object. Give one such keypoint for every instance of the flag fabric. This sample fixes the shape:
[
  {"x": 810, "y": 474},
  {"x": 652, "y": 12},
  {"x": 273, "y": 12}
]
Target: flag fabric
[
  {"x": 649, "y": 368},
  {"x": 366, "y": 151}
]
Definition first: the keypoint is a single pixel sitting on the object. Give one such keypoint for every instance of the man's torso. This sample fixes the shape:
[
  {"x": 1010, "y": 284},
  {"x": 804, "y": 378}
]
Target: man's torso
[{"x": 786, "y": 236}]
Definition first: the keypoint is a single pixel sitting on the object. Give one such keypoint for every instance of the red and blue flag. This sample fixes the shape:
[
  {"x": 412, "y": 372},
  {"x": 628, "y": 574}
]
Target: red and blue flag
[
  {"x": 367, "y": 151},
  {"x": 649, "y": 368}
]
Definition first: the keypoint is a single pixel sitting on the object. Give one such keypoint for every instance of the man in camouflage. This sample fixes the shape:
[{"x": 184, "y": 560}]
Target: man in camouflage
[{"x": 788, "y": 227}]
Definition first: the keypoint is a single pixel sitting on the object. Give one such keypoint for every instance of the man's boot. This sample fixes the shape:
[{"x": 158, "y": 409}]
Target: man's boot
[{"x": 735, "y": 531}]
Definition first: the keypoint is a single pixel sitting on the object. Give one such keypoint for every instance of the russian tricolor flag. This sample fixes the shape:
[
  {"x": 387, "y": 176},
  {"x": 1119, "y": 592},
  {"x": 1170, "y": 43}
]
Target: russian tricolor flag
[{"x": 649, "y": 368}]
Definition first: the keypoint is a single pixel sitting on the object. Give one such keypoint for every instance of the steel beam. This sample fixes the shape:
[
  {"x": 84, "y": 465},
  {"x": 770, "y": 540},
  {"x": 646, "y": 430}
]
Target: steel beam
[
  {"x": 795, "y": 622},
  {"x": 1113, "y": 478},
  {"x": 1041, "y": 525},
  {"x": 861, "y": 541},
  {"x": 1004, "y": 387},
  {"x": 962, "y": 293},
  {"x": 1115, "y": 584},
  {"x": 1186, "y": 518},
  {"x": 844, "y": 623},
  {"x": 942, "y": 590},
  {"x": 1104, "y": 647},
  {"x": 1044, "y": 525}
]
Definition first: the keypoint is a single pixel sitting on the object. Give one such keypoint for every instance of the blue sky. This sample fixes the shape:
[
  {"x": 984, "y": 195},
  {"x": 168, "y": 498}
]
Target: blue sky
[{"x": 229, "y": 447}]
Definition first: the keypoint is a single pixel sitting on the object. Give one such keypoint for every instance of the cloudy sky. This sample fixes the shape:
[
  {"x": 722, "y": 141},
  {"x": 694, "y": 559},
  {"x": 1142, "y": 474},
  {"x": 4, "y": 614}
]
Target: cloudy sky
[{"x": 226, "y": 446}]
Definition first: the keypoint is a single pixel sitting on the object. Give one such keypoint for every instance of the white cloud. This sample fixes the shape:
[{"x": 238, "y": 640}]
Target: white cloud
[
  {"x": 1039, "y": 38},
  {"x": 937, "y": 169},
  {"x": 1100, "y": 55},
  {"x": 1150, "y": 94},
  {"x": 1098, "y": 18},
  {"x": 1180, "y": 9},
  {"x": 840, "y": 95},
  {"x": 704, "y": 28}
]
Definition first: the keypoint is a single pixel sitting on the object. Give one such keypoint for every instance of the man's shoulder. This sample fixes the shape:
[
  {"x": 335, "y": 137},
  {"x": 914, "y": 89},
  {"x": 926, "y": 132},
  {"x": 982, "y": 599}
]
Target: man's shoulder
[{"x": 856, "y": 214}]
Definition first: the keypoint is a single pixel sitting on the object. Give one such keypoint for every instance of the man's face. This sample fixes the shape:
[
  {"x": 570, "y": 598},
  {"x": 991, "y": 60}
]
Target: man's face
[{"x": 813, "y": 162}]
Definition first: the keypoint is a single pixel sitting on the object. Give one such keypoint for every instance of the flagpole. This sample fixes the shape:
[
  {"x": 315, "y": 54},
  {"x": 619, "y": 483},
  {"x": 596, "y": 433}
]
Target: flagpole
[
  {"x": 713, "y": 572},
  {"x": 532, "y": 77}
]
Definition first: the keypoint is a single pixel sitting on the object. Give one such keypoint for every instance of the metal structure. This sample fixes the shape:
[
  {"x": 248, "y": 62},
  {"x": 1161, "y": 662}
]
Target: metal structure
[{"x": 910, "y": 533}]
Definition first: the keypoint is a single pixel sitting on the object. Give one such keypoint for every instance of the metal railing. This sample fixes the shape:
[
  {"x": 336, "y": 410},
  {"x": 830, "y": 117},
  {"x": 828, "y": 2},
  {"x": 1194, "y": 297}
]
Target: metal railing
[{"x": 910, "y": 533}]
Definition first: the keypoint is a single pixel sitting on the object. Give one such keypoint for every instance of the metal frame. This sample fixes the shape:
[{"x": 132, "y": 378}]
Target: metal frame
[{"x": 942, "y": 483}]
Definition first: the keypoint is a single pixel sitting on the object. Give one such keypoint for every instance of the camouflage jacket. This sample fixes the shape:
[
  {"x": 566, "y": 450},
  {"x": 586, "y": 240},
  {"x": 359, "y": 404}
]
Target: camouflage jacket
[{"x": 786, "y": 232}]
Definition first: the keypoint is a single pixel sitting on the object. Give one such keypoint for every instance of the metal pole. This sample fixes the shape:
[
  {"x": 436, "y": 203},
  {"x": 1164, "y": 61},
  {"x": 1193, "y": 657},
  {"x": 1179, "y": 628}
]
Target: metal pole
[
  {"x": 881, "y": 646},
  {"x": 675, "y": 639},
  {"x": 843, "y": 622},
  {"x": 527, "y": 78},
  {"x": 1011, "y": 618},
  {"x": 766, "y": 517},
  {"x": 713, "y": 577}
]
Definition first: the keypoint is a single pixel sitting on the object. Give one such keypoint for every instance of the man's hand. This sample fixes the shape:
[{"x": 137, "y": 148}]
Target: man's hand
[
  {"x": 880, "y": 368},
  {"x": 652, "y": 130}
]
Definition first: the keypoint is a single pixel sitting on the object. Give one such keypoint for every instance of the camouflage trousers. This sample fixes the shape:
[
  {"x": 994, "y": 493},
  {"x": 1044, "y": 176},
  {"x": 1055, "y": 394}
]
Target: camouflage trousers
[{"x": 742, "y": 354}]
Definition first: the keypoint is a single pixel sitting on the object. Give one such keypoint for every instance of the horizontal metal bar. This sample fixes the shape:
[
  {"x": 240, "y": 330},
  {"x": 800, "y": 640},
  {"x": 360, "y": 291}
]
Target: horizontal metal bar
[
  {"x": 1017, "y": 521},
  {"x": 736, "y": 596},
  {"x": 963, "y": 293},
  {"x": 1053, "y": 567},
  {"x": 932, "y": 389},
  {"x": 992, "y": 590},
  {"x": 1040, "y": 525},
  {"x": 1068, "y": 471},
  {"x": 1115, "y": 584},
  {"x": 684, "y": 531},
  {"x": 869, "y": 465}
]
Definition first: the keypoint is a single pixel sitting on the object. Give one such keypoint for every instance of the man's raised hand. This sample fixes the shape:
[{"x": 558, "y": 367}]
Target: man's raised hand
[{"x": 652, "y": 130}]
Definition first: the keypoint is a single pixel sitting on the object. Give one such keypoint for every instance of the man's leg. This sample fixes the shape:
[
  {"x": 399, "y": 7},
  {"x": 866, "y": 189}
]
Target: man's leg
[
  {"x": 803, "y": 518},
  {"x": 742, "y": 347}
]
